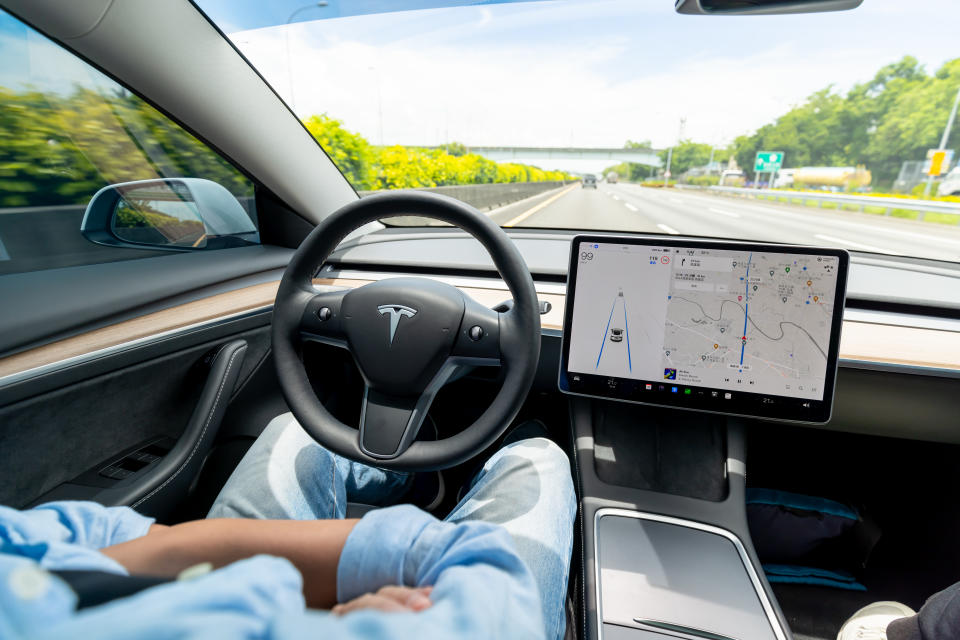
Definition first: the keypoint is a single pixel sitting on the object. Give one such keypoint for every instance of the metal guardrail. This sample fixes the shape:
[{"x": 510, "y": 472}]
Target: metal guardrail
[{"x": 888, "y": 204}]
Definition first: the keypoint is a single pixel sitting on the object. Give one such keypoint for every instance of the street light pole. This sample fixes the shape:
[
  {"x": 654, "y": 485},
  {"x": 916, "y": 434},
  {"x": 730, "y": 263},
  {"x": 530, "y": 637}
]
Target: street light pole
[
  {"x": 943, "y": 140},
  {"x": 666, "y": 174},
  {"x": 286, "y": 33}
]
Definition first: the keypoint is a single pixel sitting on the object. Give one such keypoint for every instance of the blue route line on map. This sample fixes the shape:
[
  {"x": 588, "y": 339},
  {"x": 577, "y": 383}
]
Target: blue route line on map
[
  {"x": 746, "y": 309},
  {"x": 605, "y": 331},
  {"x": 627, "y": 329}
]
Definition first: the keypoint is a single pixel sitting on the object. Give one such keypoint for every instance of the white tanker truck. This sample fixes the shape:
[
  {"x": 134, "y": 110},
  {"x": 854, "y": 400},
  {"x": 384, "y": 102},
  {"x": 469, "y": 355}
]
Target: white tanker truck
[{"x": 842, "y": 177}]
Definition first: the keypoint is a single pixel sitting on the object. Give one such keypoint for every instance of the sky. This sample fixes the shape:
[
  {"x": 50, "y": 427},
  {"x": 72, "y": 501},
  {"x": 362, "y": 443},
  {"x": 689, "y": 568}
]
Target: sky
[
  {"x": 547, "y": 74},
  {"x": 573, "y": 72}
]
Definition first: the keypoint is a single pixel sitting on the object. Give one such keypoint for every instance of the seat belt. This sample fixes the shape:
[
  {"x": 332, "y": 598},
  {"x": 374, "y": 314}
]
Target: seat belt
[{"x": 94, "y": 588}]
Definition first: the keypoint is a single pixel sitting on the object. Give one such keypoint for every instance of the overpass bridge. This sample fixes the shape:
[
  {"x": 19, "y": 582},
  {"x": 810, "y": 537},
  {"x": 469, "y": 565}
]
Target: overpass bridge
[{"x": 572, "y": 159}]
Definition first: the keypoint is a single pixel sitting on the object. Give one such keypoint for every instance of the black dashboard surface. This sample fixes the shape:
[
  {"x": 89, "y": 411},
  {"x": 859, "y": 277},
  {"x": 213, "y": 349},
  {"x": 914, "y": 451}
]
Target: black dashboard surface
[{"x": 882, "y": 280}]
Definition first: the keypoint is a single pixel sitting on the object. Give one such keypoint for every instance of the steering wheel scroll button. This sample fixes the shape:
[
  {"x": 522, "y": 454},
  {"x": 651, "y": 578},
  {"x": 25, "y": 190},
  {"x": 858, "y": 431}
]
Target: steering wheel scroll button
[
  {"x": 324, "y": 314},
  {"x": 476, "y": 332}
]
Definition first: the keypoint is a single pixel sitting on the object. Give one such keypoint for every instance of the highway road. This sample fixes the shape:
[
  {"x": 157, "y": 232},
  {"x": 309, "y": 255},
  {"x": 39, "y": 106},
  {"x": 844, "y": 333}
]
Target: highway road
[{"x": 629, "y": 207}]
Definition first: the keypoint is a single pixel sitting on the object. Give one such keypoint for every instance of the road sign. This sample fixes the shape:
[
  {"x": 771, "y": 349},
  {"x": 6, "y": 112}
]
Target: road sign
[
  {"x": 768, "y": 161},
  {"x": 938, "y": 161}
]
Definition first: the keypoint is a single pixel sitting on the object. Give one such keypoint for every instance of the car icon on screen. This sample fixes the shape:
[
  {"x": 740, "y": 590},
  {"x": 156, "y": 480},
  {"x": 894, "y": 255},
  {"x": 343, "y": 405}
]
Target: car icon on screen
[{"x": 616, "y": 334}]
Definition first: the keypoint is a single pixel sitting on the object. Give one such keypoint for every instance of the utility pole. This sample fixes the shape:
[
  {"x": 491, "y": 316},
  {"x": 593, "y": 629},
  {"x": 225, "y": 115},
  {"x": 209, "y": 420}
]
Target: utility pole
[
  {"x": 943, "y": 140},
  {"x": 666, "y": 174}
]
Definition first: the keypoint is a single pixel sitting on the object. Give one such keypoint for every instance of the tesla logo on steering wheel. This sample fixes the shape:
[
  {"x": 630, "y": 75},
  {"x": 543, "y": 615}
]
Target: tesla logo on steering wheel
[{"x": 395, "y": 311}]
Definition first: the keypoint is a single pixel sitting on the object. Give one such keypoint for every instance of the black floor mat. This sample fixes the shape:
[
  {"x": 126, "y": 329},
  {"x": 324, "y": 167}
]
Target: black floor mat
[
  {"x": 910, "y": 488},
  {"x": 819, "y": 612}
]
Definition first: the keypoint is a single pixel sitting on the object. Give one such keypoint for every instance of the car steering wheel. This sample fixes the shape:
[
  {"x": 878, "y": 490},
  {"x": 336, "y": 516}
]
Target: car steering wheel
[{"x": 408, "y": 336}]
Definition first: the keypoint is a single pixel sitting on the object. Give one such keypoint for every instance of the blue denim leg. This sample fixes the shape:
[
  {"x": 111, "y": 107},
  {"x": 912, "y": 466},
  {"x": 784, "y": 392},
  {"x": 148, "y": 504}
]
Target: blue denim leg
[
  {"x": 527, "y": 488},
  {"x": 287, "y": 475}
]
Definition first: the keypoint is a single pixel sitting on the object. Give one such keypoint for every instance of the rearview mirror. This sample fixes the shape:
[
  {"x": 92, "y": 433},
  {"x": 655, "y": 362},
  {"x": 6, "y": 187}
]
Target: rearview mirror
[
  {"x": 179, "y": 214},
  {"x": 762, "y": 7}
]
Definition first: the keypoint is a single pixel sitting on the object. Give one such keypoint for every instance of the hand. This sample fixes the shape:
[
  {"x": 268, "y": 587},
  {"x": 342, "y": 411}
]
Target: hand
[{"x": 389, "y": 599}]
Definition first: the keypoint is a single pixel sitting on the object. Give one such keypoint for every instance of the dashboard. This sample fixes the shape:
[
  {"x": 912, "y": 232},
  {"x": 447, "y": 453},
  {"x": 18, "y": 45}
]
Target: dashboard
[{"x": 899, "y": 352}]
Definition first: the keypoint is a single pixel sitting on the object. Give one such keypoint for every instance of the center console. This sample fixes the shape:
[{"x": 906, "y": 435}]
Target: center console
[
  {"x": 721, "y": 331},
  {"x": 658, "y": 564}
]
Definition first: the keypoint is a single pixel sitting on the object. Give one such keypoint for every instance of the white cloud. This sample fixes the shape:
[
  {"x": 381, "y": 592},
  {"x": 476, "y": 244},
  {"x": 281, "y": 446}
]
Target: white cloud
[{"x": 518, "y": 91}]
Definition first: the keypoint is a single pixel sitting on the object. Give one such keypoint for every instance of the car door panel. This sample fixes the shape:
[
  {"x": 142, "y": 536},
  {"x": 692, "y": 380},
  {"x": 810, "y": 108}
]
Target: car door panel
[
  {"x": 157, "y": 488},
  {"x": 55, "y": 437}
]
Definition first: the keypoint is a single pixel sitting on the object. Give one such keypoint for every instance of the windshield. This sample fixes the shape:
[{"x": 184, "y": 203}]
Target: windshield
[{"x": 826, "y": 129}]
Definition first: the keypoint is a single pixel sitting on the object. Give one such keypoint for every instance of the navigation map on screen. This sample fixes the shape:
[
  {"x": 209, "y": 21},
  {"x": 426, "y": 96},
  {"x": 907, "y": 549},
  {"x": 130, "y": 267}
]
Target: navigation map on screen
[{"x": 709, "y": 320}]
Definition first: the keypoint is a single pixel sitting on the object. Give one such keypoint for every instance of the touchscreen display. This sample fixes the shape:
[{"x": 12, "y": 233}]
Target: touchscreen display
[{"x": 737, "y": 328}]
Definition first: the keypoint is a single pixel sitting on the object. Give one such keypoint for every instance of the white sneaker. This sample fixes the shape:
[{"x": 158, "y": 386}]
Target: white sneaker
[{"x": 870, "y": 623}]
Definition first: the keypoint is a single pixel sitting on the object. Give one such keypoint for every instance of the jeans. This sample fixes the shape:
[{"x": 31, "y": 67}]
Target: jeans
[{"x": 526, "y": 487}]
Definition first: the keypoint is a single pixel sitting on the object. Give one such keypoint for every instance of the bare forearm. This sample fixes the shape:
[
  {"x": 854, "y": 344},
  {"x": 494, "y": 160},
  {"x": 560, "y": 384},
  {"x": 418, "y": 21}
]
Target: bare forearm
[{"x": 313, "y": 546}]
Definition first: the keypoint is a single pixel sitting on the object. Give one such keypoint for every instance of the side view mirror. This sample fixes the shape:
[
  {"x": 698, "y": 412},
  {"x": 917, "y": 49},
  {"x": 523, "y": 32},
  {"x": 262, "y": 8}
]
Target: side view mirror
[
  {"x": 178, "y": 214},
  {"x": 762, "y": 7}
]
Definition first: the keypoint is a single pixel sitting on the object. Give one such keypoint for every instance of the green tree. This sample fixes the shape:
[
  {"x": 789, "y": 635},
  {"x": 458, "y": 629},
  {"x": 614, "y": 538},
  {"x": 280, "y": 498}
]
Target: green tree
[
  {"x": 454, "y": 148},
  {"x": 894, "y": 117},
  {"x": 350, "y": 151},
  {"x": 689, "y": 154},
  {"x": 60, "y": 149}
]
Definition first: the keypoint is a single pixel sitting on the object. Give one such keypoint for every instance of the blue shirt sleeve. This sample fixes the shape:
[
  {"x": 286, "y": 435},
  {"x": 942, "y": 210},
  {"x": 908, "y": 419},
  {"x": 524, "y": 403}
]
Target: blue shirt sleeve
[
  {"x": 67, "y": 535},
  {"x": 481, "y": 588},
  {"x": 88, "y": 524}
]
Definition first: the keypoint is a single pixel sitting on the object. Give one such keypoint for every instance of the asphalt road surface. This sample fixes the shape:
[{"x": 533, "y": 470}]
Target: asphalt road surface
[{"x": 629, "y": 207}]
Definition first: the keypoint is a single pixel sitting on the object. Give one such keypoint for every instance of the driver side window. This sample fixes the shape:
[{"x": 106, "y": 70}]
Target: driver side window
[{"x": 66, "y": 131}]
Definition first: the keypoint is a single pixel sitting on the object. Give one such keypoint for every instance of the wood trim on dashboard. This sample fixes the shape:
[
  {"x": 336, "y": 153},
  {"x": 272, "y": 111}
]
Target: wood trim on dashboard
[{"x": 861, "y": 341}]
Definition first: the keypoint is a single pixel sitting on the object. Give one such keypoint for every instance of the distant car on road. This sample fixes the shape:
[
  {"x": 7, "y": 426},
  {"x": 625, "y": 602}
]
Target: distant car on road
[
  {"x": 616, "y": 334},
  {"x": 589, "y": 181}
]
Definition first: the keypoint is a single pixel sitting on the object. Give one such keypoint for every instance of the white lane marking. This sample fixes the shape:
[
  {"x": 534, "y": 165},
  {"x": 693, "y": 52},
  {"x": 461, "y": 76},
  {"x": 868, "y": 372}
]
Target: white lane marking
[
  {"x": 859, "y": 226},
  {"x": 856, "y": 245},
  {"x": 630, "y": 206},
  {"x": 729, "y": 214},
  {"x": 757, "y": 207},
  {"x": 532, "y": 210},
  {"x": 498, "y": 210},
  {"x": 616, "y": 197},
  {"x": 667, "y": 229}
]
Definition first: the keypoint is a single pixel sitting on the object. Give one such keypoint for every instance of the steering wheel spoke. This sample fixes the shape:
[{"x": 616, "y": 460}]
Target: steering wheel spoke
[
  {"x": 478, "y": 341},
  {"x": 389, "y": 424},
  {"x": 322, "y": 319}
]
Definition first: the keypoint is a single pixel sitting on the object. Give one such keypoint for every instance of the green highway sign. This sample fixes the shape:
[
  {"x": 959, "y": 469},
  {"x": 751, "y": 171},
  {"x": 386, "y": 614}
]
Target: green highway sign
[{"x": 768, "y": 161}]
